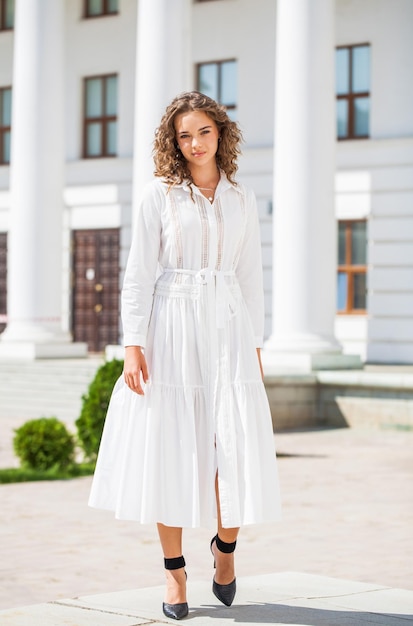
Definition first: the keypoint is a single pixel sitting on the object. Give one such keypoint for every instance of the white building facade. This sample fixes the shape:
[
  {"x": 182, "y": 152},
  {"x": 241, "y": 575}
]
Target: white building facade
[{"x": 82, "y": 86}]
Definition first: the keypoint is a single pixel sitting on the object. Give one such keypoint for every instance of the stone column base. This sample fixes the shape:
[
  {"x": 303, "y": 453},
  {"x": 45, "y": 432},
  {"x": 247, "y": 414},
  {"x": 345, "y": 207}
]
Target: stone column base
[
  {"x": 113, "y": 351},
  {"x": 30, "y": 351},
  {"x": 275, "y": 362}
]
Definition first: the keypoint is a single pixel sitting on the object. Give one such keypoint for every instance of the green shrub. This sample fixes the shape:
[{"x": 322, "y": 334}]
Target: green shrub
[
  {"x": 94, "y": 407},
  {"x": 44, "y": 443}
]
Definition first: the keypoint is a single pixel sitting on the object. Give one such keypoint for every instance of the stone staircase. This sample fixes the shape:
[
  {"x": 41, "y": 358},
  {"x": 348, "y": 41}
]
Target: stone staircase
[{"x": 45, "y": 388}]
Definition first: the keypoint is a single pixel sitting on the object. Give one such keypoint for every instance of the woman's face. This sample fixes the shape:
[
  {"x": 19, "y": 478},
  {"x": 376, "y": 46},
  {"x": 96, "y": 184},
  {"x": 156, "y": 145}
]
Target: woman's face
[{"x": 197, "y": 136}]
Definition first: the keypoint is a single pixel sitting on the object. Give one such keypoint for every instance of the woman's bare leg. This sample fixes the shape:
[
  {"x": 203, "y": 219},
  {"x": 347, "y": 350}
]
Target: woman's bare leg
[
  {"x": 225, "y": 571},
  {"x": 171, "y": 542}
]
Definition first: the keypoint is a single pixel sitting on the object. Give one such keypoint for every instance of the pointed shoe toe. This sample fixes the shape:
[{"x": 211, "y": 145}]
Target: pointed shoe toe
[
  {"x": 175, "y": 611},
  {"x": 225, "y": 593}
]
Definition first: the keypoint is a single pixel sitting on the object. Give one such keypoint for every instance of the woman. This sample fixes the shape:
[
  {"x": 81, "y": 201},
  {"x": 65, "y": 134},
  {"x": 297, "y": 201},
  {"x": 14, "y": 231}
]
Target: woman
[{"x": 188, "y": 436}]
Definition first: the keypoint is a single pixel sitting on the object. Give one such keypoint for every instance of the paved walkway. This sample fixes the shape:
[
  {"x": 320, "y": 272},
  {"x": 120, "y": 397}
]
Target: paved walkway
[
  {"x": 348, "y": 514},
  {"x": 288, "y": 598}
]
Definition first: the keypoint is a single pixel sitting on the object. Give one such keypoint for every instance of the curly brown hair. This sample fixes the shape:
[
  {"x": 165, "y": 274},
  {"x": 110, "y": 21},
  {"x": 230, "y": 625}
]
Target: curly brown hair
[{"x": 170, "y": 164}]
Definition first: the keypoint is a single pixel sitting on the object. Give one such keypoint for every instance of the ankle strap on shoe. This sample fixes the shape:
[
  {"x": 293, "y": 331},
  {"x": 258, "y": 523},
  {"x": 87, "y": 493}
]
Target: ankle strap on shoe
[
  {"x": 175, "y": 563},
  {"x": 223, "y": 546}
]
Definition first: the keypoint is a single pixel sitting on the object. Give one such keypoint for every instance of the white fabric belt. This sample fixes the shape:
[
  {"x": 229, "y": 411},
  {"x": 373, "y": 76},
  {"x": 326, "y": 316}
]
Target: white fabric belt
[{"x": 220, "y": 294}]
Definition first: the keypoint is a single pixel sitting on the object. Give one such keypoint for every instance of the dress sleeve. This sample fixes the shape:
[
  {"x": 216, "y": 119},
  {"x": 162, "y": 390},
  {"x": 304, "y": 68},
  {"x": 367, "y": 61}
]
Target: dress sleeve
[
  {"x": 249, "y": 269},
  {"x": 141, "y": 268}
]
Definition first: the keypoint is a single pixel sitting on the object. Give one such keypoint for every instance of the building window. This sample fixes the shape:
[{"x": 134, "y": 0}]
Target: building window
[
  {"x": 218, "y": 80},
  {"x": 6, "y": 14},
  {"x": 97, "y": 8},
  {"x": 100, "y": 118},
  {"x": 353, "y": 91},
  {"x": 5, "y": 125},
  {"x": 352, "y": 267}
]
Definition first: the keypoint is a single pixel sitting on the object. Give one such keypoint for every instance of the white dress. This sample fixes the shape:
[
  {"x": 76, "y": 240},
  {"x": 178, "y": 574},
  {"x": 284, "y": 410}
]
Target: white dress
[{"x": 193, "y": 297}]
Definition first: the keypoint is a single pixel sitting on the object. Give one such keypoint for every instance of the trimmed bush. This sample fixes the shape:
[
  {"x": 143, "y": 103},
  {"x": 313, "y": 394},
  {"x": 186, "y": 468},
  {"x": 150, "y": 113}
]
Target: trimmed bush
[
  {"x": 44, "y": 443},
  {"x": 94, "y": 407}
]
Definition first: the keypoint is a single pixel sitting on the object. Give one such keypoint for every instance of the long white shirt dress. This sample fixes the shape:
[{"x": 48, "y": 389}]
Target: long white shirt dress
[{"x": 193, "y": 298}]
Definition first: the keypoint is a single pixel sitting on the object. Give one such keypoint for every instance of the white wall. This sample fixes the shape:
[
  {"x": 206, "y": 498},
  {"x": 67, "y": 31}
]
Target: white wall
[
  {"x": 375, "y": 179},
  {"x": 244, "y": 30},
  {"x": 379, "y": 187},
  {"x": 387, "y": 25},
  {"x": 95, "y": 46}
]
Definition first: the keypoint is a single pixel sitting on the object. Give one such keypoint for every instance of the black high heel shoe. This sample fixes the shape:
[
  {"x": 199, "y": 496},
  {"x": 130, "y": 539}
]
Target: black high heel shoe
[
  {"x": 224, "y": 593},
  {"x": 175, "y": 611}
]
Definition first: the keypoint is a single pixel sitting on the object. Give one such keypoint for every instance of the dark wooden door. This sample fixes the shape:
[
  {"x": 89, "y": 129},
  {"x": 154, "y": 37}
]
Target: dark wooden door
[
  {"x": 3, "y": 281},
  {"x": 96, "y": 287}
]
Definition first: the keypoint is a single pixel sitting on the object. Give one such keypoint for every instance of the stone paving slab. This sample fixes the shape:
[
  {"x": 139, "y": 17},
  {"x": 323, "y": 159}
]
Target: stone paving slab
[
  {"x": 60, "y": 615},
  {"x": 347, "y": 514},
  {"x": 283, "y": 598}
]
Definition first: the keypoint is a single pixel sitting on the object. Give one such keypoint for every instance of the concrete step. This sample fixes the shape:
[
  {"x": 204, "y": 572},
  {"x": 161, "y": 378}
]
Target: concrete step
[{"x": 44, "y": 388}]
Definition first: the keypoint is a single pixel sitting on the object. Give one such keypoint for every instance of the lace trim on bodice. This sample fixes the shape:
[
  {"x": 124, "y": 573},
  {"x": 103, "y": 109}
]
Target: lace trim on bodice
[
  {"x": 203, "y": 216},
  {"x": 201, "y": 205},
  {"x": 220, "y": 233},
  {"x": 176, "y": 221}
]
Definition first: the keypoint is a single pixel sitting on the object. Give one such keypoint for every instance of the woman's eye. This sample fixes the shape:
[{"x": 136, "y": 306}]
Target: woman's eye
[{"x": 205, "y": 132}]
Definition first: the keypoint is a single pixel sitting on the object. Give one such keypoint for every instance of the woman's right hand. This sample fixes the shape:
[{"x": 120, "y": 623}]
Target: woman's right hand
[{"x": 135, "y": 369}]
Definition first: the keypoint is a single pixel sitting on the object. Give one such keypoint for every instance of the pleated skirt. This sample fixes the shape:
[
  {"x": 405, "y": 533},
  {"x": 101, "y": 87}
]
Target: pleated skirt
[{"x": 204, "y": 413}]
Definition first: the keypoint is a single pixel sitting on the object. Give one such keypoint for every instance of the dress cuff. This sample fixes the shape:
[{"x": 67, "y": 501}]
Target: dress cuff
[
  {"x": 259, "y": 342},
  {"x": 132, "y": 339}
]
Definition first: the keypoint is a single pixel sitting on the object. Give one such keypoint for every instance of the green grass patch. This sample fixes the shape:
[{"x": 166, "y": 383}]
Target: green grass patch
[{"x": 22, "y": 474}]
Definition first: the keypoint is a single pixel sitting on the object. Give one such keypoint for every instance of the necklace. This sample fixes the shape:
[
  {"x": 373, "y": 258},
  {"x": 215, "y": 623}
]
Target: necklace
[{"x": 211, "y": 197}]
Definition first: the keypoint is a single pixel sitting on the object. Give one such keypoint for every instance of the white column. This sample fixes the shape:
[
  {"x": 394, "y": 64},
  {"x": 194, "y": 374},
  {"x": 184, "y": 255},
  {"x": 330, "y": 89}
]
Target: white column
[
  {"x": 37, "y": 159},
  {"x": 304, "y": 228},
  {"x": 162, "y": 72}
]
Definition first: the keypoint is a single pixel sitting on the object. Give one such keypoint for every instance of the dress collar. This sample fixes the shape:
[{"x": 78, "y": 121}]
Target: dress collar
[{"x": 223, "y": 185}]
